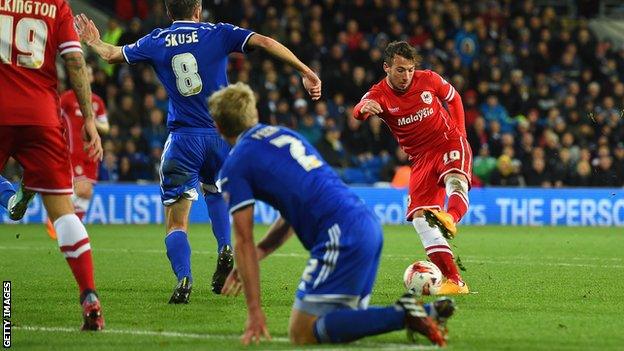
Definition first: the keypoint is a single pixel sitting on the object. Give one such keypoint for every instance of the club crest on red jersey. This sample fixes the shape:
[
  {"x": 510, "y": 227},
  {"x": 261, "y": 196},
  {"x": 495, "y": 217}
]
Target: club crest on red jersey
[{"x": 426, "y": 97}]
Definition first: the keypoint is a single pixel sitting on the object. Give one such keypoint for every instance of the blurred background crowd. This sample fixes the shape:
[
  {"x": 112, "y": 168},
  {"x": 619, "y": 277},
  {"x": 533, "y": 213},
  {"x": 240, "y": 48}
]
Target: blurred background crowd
[{"x": 543, "y": 97}]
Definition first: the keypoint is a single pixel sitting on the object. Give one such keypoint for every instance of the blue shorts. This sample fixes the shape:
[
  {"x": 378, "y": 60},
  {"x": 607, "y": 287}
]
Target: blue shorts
[
  {"x": 190, "y": 156},
  {"x": 343, "y": 265}
]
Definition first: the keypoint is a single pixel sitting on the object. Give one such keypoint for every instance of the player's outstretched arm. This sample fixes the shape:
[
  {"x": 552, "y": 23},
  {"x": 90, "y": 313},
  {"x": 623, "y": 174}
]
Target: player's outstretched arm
[
  {"x": 311, "y": 82},
  {"x": 78, "y": 78},
  {"x": 91, "y": 36},
  {"x": 249, "y": 272}
]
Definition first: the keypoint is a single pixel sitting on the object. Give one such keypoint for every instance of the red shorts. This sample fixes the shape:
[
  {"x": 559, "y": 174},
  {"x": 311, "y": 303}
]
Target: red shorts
[
  {"x": 426, "y": 187},
  {"x": 44, "y": 155},
  {"x": 85, "y": 170}
]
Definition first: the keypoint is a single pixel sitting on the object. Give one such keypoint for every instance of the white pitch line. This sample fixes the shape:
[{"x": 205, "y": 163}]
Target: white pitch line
[
  {"x": 168, "y": 334},
  {"x": 512, "y": 260}
]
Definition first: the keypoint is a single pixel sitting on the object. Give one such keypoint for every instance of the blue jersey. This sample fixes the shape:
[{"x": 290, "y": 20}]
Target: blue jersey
[
  {"x": 190, "y": 59},
  {"x": 279, "y": 167}
]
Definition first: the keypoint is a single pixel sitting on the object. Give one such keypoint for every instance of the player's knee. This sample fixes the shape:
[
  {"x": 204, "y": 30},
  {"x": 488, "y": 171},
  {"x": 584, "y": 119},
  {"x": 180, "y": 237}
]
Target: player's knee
[
  {"x": 419, "y": 213},
  {"x": 456, "y": 183},
  {"x": 57, "y": 206},
  {"x": 176, "y": 215}
]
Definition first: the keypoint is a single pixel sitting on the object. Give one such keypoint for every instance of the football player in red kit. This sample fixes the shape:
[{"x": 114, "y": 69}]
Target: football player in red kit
[
  {"x": 85, "y": 170},
  {"x": 410, "y": 101},
  {"x": 32, "y": 33}
]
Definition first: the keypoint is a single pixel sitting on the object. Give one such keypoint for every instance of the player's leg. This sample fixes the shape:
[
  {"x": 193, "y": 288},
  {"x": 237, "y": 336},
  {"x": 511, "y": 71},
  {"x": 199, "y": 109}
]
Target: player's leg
[
  {"x": 217, "y": 151},
  {"x": 328, "y": 309},
  {"x": 425, "y": 194},
  {"x": 83, "y": 192},
  {"x": 45, "y": 159},
  {"x": 6, "y": 150},
  {"x": 454, "y": 168},
  {"x": 179, "y": 249},
  {"x": 6, "y": 192},
  {"x": 15, "y": 202},
  {"x": 180, "y": 162}
]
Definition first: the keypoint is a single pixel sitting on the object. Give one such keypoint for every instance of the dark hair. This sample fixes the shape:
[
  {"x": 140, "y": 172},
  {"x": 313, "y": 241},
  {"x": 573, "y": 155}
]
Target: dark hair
[
  {"x": 181, "y": 9},
  {"x": 403, "y": 49}
]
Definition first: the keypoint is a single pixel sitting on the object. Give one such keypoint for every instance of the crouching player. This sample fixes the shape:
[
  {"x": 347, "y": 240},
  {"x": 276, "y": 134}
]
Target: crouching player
[{"x": 343, "y": 236}]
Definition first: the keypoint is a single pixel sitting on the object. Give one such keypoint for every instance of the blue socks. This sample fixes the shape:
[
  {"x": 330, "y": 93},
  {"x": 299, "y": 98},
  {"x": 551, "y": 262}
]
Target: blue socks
[
  {"x": 179, "y": 253},
  {"x": 348, "y": 325},
  {"x": 220, "y": 219},
  {"x": 6, "y": 191}
]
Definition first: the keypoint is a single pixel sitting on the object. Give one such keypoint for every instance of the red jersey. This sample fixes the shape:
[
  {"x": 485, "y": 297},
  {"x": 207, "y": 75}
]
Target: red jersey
[
  {"x": 416, "y": 117},
  {"x": 32, "y": 33},
  {"x": 70, "y": 110}
]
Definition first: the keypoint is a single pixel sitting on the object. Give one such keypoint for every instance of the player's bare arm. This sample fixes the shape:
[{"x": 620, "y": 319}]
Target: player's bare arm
[
  {"x": 77, "y": 73},
  {"x": 279, "y": 232},
  {"x": 91, "y": 36},
  {"x": 249, "y": 272},
  {"x": 311, "y": 82}
]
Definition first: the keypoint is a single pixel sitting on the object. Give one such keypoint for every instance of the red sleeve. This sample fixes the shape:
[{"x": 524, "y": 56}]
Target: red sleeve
[
  {"x": 372, "y": 94},
  {"x": 446, "y": 92},
  {"x": 67, "y": 38}
]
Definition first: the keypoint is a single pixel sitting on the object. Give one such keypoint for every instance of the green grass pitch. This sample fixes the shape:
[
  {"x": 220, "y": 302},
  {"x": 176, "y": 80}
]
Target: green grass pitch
[{"x": 536, "y": 288}]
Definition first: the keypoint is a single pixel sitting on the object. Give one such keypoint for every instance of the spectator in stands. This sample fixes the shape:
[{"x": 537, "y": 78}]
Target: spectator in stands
[
  {"x": 583, "y": 175},
  {"x": 537, "y": 175},
  {"x": 331, "y": 149},
  {"x": 310, "y": 129},
  {"x": 484, "y": 164},
  {"x": 506, "y": 174},
  {"x": 605, "y": 175}
]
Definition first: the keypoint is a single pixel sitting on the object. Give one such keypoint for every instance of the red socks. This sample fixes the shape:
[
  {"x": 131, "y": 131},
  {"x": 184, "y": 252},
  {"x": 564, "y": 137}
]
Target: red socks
[
  {"x": 444, "y": 261},
  {"x": 82, "y": 268},
  {"x": 74, "y": 243},
  {"x": 457, "y": 206}
]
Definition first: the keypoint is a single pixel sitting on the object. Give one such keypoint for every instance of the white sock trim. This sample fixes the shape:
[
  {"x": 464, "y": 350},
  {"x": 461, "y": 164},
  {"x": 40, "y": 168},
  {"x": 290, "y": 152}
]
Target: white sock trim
[
  {"x": 429, "y": 236},
  {"x": 71, "y": 235}
]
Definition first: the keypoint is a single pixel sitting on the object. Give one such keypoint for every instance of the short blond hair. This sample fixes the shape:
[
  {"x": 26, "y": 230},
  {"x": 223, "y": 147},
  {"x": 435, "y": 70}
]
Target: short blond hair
[{"x": 233, "y": 108}]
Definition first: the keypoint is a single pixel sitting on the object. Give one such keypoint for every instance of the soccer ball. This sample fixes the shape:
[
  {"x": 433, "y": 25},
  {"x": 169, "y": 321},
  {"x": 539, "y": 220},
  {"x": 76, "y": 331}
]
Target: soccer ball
[{"x": 422, "y": 278}]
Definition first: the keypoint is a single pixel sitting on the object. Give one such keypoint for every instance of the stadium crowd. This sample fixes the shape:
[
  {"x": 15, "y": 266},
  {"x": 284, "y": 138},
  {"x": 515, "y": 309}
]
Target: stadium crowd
[{"x": 543, "y": 97}]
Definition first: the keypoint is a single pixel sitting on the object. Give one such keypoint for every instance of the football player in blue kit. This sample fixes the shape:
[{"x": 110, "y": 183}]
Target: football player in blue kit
[
  {"x": 190, "y": 58},
  {"x": 276, "y": 165}
]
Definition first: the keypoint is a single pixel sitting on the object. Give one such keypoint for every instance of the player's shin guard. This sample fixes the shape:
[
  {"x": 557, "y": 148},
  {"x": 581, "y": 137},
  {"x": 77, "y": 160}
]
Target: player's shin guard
[
  {"x": 219, "y": 217},
  {"x": 348, "y": 325},
  {"x": 74, "y": 244},
  {"x": 6, "y": 191},
  {"x": 457, "y": 193},
  {"x": 179, "y": 253},
  {"x": 81, "y": 205},
  {"x": 437, "y": 248}
]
